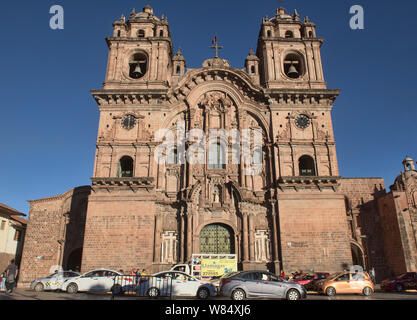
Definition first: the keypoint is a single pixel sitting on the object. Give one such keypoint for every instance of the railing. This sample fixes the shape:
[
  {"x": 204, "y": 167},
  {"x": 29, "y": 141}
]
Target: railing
[
  {"x": 142, "y": 286},
  {"x": 2, "y": 284}
]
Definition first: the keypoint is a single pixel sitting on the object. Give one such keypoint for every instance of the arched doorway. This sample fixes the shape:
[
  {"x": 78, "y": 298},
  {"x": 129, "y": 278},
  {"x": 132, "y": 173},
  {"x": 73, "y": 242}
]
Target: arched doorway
[
  {"x": 74, "y": 260},
  {"x": 217, "y": 239},
  {"x": 357, "y": 256}
]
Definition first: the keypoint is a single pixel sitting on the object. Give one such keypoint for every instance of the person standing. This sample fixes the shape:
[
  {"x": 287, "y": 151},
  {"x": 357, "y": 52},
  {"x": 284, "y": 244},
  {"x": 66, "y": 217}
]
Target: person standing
[
  {"x": 283, "y": 274},
  {"x": 11, "y": 275}
]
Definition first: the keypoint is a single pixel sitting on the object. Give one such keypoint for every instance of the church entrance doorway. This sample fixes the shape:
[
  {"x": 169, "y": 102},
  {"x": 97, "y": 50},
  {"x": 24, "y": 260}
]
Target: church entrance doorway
[{"x": 217, "y": 239}]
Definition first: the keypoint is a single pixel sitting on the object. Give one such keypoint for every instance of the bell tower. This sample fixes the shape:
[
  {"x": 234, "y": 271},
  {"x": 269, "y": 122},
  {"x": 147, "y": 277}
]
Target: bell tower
[
  {"x": 289, "y": 53},
  {"x": 140, "y": 52}
]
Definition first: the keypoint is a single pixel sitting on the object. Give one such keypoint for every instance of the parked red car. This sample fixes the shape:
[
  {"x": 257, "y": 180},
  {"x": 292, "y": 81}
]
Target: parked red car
[
  {"x": 403, "y": 282},
  {"x": 309, "y": 280}
]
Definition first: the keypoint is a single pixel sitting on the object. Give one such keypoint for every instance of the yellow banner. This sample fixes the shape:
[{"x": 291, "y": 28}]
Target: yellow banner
[{"x": 217, "y": 267}]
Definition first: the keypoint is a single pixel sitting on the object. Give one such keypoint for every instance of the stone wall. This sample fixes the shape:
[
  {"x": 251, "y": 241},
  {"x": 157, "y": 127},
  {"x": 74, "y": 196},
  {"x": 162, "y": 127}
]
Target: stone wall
[
  {"x": 44, "y": 248},
  {"x": 361, "y": 195},
  {"x": 399, "y": 236},
  {"x": 314, "y": 232},
  {"x": 119, "y": 232}
]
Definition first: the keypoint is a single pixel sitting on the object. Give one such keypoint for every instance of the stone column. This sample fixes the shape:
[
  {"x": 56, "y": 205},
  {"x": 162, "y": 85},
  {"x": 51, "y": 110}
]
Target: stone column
[
  {"x": 189, "y": 235},
  {"x": 245, "y": 237},
  {"x": 157, "y": 240},
  {"x": 182, "y": 235},
  {"x": 274, "y": 231},
  {"x": 251, "y": 238}
]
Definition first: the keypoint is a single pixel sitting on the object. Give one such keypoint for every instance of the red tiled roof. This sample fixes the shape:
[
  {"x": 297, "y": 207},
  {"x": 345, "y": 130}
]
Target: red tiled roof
[
  {"x": 20, "y": 219},
  {"x": 10, "y": 211}
]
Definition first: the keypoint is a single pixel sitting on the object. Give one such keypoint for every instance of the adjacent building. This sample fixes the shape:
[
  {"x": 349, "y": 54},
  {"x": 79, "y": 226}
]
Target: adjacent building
[{"x": 12, "y": 234}]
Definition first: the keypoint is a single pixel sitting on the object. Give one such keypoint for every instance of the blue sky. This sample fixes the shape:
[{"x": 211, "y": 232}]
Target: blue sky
[{"x": 49, "y": 119}]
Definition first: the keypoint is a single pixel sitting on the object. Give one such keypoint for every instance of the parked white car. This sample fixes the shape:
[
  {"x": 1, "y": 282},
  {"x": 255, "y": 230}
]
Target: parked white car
[
  {"x": 53, "y": 281},
  {"x": 97, "y": 281},
  {"x": 175, "y": 283}
]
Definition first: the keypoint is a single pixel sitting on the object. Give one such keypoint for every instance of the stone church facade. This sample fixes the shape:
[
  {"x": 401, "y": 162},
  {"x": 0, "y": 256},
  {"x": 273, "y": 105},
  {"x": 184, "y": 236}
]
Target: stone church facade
[{"x": 295, "y": 212}]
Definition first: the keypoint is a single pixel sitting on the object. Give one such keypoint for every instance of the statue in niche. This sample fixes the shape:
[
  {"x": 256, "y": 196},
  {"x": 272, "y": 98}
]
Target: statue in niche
[{"x": 216, "y": 195}]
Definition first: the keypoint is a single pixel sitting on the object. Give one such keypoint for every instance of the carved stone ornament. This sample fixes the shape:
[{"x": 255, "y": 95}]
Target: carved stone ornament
[{"x": 216, "y": 101}]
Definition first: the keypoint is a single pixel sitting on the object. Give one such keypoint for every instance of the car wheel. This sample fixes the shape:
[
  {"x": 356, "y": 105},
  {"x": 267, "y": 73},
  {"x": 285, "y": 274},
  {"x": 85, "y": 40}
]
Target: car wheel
[
  {"x": 153, "y": 292},
  {"x": 39, "y": 287},
  {"x": 238, "y": 294},
  {"x": 399, "y": 288},
  {"x": 330, "y": 291},
  {"x": 117, "y": 289},
  {"x": 203, "y": 293},
  {"x": 293, "y": 294},
  {"x": 72, "y": 288},
  {"x": 367, "y": 291}
]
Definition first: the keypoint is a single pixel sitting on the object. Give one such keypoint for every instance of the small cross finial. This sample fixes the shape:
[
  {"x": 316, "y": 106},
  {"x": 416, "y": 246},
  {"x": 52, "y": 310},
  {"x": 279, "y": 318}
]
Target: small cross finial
[
  {"x": 216, "y": 46},
  {"x": 280, "y": 3}
]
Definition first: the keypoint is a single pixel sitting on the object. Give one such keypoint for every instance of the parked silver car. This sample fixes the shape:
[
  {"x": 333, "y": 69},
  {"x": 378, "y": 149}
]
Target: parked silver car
[
  {"x": 53, "y": 281},
  {"x": 260, "y": 284},
  {"x": 175, "y": 283}
]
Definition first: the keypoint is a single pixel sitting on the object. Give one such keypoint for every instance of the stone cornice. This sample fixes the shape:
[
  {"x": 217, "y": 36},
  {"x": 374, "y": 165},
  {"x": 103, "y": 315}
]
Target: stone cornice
[
  {"x": 114, "y": 143},
  {"x": 107, "y": 97},
  {"x": 308, "y": 182},
  {"x": 312, "y": 97},
  {"x": 136, "y": 181}
]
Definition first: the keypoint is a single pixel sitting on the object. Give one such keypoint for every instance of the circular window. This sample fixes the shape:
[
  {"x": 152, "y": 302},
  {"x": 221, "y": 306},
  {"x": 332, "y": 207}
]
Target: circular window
[
  {"x": 138, "y": 65},
  {"x": 293, "y": 66}
]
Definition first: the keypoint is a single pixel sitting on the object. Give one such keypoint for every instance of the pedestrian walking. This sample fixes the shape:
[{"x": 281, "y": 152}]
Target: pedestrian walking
[{"x": 11, "y": 275}]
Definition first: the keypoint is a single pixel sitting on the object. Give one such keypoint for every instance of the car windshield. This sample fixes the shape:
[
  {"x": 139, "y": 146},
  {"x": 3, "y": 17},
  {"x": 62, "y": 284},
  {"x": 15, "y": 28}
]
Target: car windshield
[
  {"x": 228, "y": 275},
  {"x": 52, "y": 275},
  {"x": 334, "y": 275},
  {"x": 404, "y": 275}
]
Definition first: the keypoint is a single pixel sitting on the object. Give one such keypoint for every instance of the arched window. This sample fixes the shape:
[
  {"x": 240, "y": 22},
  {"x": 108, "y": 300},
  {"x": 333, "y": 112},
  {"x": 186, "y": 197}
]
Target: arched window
[
  {"x": 217, "y": 158},
  {"x": 119, "y": 33},
  {"x": 310, "y": 34},
  {"x": 141, "y": 33},
  {"x": 257, "y": 156},
  {"x": 252, "y": 69},
  {"x": 173, "y": 156},
  {"x": 161, "y": 33},
  {"x": 289, "y": 34},
  {"x": 269, "y": 33},
  {"x": 125, "y": 169},
  {"x": 178, "y": 70},
  {"x": 307, "y": 167}
]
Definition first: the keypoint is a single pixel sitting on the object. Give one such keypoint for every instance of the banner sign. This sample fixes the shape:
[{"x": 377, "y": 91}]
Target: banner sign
[{"x": 217, "y": 267}]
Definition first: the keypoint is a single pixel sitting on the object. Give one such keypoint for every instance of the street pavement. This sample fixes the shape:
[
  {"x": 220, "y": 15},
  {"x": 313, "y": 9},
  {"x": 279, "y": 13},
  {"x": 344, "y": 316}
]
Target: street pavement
[{"x": 25, "y": 294}]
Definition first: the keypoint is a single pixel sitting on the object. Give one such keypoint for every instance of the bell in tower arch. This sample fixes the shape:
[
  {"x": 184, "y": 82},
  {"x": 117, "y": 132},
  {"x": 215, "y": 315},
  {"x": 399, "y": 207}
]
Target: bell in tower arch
[{"x": 292, "y": 72}]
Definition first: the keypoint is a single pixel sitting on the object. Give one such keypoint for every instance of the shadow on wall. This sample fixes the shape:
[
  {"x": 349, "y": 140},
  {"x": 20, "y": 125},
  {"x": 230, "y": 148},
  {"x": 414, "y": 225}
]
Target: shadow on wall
[{"x": 74, "y": 238}]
